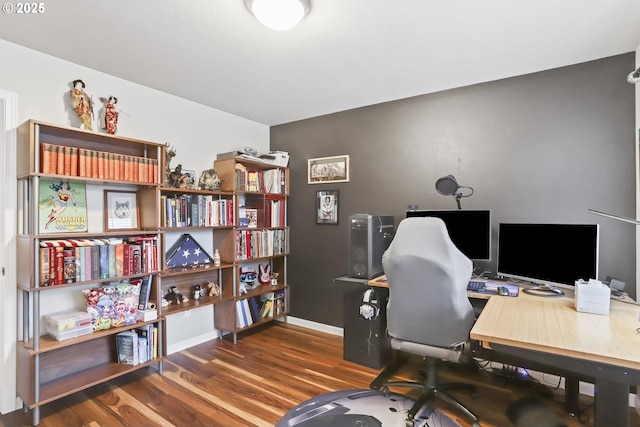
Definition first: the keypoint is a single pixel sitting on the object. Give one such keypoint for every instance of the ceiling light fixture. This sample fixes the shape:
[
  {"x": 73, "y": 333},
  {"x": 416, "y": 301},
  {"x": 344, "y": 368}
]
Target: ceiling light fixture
[
  {"x": 279, "y": 14},
  {"x": 634, "y": 76}
]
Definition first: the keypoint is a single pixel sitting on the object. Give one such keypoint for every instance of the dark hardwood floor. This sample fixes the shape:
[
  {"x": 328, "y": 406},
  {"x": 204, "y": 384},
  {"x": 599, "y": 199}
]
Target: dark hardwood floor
[{"x": 255, "y": 382}]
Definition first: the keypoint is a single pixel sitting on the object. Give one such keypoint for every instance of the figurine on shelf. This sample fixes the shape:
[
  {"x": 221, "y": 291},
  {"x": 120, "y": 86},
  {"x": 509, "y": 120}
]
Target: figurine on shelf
[
  {"x": 111, "y": 114},
  {"x": 274, "y": 280},
  {"x": 265, "y": 274},
  {"x": 170, "y": 153},
  {"x": 175, "y": 177},
  {"x": 197, "y": 292},
  {"x": 248, "y": 278},
  {"x": 214, "y": 289},
  {"x": 174, "y": 296},
  {"x": 209, "y": 180},
  {"x": 82, "y": 104}
]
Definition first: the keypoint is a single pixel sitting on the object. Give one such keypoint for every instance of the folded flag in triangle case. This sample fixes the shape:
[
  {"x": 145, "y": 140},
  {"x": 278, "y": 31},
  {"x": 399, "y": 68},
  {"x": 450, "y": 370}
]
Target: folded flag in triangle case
[{"x": 186, "y": 252}]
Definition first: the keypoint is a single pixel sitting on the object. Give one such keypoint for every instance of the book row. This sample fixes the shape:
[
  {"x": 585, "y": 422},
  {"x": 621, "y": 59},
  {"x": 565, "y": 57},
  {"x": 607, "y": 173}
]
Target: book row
[
  {"x": 138, "y": 345},
  {"x": 196, "y": 210},
  {"x": 260, "y": 243},
  {"x": 103, "y": 259},
  {"x": 84, "y": 162},
  {"x": 263, "y": 181},
  {"x": 274, "y": 214},
  {"x": 252, "y": 310}
]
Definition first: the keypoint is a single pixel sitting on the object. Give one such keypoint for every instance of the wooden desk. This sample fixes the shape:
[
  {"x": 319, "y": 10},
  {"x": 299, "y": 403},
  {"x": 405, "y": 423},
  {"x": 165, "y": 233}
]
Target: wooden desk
[{"x": 551, "y": 331}]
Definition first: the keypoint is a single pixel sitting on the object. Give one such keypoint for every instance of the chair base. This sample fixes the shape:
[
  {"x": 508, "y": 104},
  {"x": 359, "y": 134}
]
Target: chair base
[{"x": 428, "y": 389}]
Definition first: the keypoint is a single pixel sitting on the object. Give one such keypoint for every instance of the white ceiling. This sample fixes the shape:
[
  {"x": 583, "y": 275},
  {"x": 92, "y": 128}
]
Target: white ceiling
[{"x": 344, "y": 54}]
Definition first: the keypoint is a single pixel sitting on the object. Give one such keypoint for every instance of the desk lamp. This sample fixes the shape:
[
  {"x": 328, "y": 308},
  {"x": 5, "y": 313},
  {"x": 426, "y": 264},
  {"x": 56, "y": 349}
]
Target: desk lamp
[{"x": 448, "y": 186}]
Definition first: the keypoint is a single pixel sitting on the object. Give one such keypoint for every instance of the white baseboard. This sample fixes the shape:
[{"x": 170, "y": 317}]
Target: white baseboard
[
  {"x": 333, "y": 330},
  {"x": 183, "y": 345}
]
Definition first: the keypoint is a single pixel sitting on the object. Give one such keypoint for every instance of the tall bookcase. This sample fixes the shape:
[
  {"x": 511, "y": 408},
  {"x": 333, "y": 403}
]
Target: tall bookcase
[
  {"x": 258, "y": 239},
  {"x": 48, "y": 369}
]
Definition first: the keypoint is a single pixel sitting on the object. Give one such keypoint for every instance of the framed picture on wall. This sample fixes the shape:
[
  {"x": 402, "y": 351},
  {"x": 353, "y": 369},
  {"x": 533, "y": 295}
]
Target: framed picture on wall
[
  {"x": 327, "y": 203},
  {"x": 328, "y": 169},
  {"x": 120, "y": 210}
]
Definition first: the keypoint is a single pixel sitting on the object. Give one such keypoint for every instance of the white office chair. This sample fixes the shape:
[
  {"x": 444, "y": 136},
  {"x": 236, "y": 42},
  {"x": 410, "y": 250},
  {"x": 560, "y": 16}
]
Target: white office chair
[{"x": 428, "y": 312}]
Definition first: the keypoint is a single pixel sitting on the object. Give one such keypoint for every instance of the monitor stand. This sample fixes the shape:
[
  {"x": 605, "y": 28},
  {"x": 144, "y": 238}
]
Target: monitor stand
[{"x": 543, "y": 291}]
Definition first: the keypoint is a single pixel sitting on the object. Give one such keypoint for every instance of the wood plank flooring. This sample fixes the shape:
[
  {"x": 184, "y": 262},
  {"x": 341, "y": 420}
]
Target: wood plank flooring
[{"x": 255, "y": 382}]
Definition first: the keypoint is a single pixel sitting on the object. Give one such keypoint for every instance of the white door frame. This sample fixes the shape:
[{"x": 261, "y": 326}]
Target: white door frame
[{"x": 8, "y": 220}]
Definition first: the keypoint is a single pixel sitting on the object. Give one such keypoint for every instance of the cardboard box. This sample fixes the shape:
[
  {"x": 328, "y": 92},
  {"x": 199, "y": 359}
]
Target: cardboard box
[
  {"x": 592, "y": 297},
  {"x": 276, "y": 158}
]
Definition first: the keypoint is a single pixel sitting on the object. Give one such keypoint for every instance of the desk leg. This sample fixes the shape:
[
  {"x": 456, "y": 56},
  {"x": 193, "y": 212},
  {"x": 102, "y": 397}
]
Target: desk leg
[
  {"x": 612, "y": 403},
  {"x": 571, "y": 395}
]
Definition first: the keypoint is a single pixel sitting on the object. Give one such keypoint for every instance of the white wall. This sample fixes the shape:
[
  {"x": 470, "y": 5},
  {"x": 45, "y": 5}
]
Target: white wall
[{"x": 42, "y": 83}]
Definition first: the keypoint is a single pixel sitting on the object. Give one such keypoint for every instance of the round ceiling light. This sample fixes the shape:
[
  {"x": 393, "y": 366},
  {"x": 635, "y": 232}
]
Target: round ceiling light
[{"x": 279, "y": 14}]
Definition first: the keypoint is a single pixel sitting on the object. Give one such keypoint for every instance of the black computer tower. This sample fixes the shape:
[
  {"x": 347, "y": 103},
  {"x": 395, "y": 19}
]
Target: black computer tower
[
  {"x": 365, "y": 338},
  {"x": 369, "y": 237}
]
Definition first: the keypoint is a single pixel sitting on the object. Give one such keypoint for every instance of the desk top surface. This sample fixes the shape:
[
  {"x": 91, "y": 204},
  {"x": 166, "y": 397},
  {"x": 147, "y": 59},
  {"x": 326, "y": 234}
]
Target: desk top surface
[{"x": 553, "y": 325}]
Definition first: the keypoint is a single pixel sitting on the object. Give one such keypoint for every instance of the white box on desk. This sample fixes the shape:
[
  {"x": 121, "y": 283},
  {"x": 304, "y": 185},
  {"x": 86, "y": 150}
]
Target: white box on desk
[{"x": 592, "y": 297}]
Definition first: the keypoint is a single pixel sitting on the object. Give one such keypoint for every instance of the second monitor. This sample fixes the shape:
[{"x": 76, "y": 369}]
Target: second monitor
[{"x": 470, "y": 230}]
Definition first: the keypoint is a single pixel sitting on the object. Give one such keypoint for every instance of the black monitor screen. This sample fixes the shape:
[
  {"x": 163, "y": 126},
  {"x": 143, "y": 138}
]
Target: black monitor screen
[
  {"x": 470, "y": 230},
  {"x": 552, "y": 254}
]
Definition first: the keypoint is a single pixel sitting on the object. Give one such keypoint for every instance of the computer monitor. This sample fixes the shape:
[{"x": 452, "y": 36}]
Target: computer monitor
[
  {"x": 548, "y": 254},
  {"x": 470, "y": 230}
]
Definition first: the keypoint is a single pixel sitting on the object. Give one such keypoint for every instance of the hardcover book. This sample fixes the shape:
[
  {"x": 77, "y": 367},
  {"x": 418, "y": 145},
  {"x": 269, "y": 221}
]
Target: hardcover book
[{"x": 62, "y": 207}]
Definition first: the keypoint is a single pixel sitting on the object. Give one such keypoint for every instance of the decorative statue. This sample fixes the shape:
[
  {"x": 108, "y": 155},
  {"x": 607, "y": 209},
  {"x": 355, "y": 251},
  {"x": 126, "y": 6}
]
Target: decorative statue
[
  {"x": 170, "y": 153},
  {"x": 110, "y": 119},
  {"x": 214, "y": 289},
  {"x": 82, "y": 104},
  {"x": 174, "y": 179},
  {"x": 209, "y": 180},
  {"x": 174, "y": 296}
]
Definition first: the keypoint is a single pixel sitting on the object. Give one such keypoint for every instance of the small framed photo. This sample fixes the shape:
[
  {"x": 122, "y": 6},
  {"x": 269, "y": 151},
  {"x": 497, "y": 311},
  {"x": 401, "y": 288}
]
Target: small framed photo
[
  {"x": 121, "y": 210},
  {"x": 327, "y": 206},
  {"x": 328, "y": 169},
  {"x": 188, "y": 179}
]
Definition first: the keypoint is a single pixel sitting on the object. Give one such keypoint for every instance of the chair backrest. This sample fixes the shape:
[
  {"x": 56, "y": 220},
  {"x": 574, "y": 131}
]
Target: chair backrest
[{"x": 428, "y": 277}]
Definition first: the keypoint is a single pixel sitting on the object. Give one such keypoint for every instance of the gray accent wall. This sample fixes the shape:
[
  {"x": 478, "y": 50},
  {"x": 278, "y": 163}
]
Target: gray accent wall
[{"x": 540, "y": 148}]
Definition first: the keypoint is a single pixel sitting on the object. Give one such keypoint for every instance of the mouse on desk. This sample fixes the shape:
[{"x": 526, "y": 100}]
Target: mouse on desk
[{"x": 503, "y": 290}]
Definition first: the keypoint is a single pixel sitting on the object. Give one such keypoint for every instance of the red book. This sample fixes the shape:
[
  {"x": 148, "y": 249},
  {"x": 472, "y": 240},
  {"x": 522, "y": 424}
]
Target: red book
[
  {"x": 67, "y": 161},
  {"x": 111, "y": 166},
  {"x": 59, "y": 265}
]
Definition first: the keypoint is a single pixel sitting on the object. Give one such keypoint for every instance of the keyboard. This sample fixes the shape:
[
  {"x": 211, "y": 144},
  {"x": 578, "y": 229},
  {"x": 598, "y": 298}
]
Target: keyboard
[{"x": 475, "y": 285}]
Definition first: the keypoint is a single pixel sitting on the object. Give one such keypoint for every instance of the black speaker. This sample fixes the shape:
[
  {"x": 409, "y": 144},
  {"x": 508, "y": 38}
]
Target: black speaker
[
  {"x": 365, "y": 338},
  {"x": 369, "y": 237}
]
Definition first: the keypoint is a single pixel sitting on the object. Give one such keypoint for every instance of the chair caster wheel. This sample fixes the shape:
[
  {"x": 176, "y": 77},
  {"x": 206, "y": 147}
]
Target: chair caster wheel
[{"x": 385, "y": 391}]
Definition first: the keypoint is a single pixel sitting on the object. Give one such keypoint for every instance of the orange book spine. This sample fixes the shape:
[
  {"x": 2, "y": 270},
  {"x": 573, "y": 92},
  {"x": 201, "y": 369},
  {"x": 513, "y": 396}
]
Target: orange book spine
[
  {"x": 154, "y": 165},
  {"x": 74, "y": 161},
  {"x": 45, "y": 158},
  {"x": 88, "y": 163},
  {"x": 135, "y": 163},
  {"x": 94, "y": 164},
  {"x": 128, "y": 170},
  {"x": 101, "y": 164},
  {"x": 111, "y": 163},
  {"x": 60, "y": 160},
  {"x": 67, "y": 161},
  {"x": 116, "y": 166},
  {"x": 82, "y": 162},
  {"x": 122, "y": 165}
]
